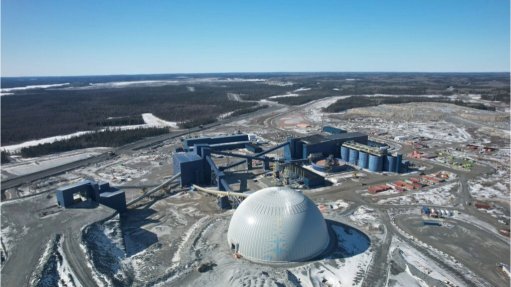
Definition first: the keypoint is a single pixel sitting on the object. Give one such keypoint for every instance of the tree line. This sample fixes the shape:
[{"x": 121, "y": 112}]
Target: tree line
[{"x": 108, "y": 138}]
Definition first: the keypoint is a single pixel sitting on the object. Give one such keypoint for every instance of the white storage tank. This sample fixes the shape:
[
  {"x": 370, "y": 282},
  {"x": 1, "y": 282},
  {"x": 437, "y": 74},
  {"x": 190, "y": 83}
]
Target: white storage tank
[{"x": 278, "y": 225}]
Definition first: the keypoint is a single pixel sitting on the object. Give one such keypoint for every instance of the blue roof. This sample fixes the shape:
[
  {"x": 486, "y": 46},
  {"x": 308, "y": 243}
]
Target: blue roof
[
  {"x": 111, "y": 193},
  {"x": 186, "y": 156}
]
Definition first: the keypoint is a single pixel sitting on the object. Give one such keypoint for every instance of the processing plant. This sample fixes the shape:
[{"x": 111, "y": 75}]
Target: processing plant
[{"x": 330, "y": 152}]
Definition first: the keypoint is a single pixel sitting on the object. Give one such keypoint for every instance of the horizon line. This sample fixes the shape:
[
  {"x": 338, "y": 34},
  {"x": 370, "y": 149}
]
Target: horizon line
[{"x": 260, "y": 72}]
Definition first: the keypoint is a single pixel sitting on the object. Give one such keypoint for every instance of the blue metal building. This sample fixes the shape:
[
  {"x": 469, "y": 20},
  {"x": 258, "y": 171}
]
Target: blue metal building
[
  {"x": 100, "y": 192},
  {"x": 115, "y": 199},
  {"x": 191, "y": 166},
  {"x": 189, "y": 143},
  {"x": 253, "y": 148},
  {"x": 333, "y": 130},
  {"x": 399, "y": 162}
]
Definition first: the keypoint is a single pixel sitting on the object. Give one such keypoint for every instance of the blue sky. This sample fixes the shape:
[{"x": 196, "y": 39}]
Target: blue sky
[{"x": 93, "y": 37}]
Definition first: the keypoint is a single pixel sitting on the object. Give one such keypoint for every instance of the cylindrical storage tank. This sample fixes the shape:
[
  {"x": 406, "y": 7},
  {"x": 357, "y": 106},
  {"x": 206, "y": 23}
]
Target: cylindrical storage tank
[
  {"x": 375, "y": 163},
  {"x": 391, "y": 163},
  {"x": 399, "y": 162},
  {"x": 345, "y": 153},
  {"x": 353, "y": 156},
  {"x": 362, "y": 159}
]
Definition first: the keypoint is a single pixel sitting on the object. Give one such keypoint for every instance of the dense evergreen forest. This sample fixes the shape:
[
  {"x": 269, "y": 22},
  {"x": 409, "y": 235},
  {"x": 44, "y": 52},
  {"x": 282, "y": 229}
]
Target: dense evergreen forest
[
  {"x": 44, "y": 113},
  {"x": 39, "y": 113}
]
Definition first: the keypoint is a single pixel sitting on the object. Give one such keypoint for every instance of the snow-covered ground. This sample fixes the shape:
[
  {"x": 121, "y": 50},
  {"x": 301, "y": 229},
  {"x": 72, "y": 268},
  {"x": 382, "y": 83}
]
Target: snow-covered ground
[
  {"x": 347, "y": 271},
  {"x": 150, "y": 120},
  {"x": 127, "y": 168},
  {"x": 159, "y": 83},
  {"x": 302, "y": 89},
  {"x": 314, "y": 111},
  {"x": 53, "y": 268},
  {"x": 288, "y": 95},
  {"x": 433, "y": 196},
  {"x": 8, "y": 91},
  {"x": 17, "y": 147},
  {"x": 31, "y": 165},
  {"x": 441, "y": 131},
  {"x": 153, "y": 121},
  {"x": 493, "y": 187},
  {"x": 366, "y": 217},
  {"x": 413, "y": 257}
]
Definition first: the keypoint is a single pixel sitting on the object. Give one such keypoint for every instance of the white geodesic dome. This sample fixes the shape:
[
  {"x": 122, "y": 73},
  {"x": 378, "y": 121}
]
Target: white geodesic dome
[{"x": 278, "y": 225}]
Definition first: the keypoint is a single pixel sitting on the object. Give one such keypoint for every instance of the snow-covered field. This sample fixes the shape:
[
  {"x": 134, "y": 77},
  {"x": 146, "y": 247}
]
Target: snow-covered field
[
  {"x": 347, "y": 271},
  {"x": 53, "y": 268},
  {"x": 288, "y": 95},
  {"x": 126, "y": 168},
  {"x": 150, "y": 120},
  {"x": 153, "y": 121},
  {"x": 366, "y": 217},
  {"x": 8, "y": 91},
  {"x": 313, "y": 111},
  {"x": 493, "y": 187},
  {"x": 31, "y": 165},
  {"x": 433, "y": 196},
  {"x": 413, "y": 257},
  {"x": 17, "y": 147}
]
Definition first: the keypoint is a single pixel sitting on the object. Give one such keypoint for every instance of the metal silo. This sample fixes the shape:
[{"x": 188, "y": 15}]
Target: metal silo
[
  {"x": 399, "y": 162},
  {"x": 345, "y": 153},
  {"x": 362, "y": 159},
  {"x": 391, "y": 163},
  {"x": 375, "y": 163},
  {"x": 353, "y": 156}
]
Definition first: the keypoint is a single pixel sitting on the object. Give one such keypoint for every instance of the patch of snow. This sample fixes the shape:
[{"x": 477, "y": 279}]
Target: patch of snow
[
  {"x": 339, "y": 272},
  {"x": 31, "y": 165},
  {"x": 493, "y": 187},
  {"x": 225, "y": 115},
  {"x": 17, "y": 147},
  {"x": 31, "y": 87},
  {"x": 154, "y": 121},
  {"x": 421, "y": 262},
  {"x": 302, "y": 89},
  {"x": 365, "y": 216},
  {"x": 433, "y": 196},
  {"x": 288, "y": 95}
]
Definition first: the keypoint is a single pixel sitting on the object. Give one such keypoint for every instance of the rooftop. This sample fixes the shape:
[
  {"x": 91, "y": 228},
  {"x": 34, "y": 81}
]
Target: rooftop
[{"x": 186, "y": 156}]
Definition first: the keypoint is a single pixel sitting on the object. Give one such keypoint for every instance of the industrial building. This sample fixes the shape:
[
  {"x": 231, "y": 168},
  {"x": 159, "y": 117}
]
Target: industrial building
[
  {"x": 197, "y": 166},
  {"x": 278, "y": 225},
  {"x": 302, "y": 148},
  {"x": 233, "y": 141},
  {"x": 100, "y": 192},
  {"x": 333, "y": 130},
  {"x": 327, "y": 152},
  {"x": 373, "y": 158}
]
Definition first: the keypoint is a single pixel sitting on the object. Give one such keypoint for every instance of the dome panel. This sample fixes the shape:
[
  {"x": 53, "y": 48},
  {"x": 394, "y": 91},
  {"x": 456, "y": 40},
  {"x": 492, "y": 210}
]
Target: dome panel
[{"x": 278, "y": 224}]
